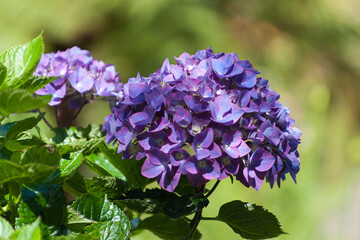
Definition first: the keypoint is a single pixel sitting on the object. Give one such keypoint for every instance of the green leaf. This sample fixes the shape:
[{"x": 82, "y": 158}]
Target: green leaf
[
  {"x": 36, "y": 82},
  {"x": 250, "y": 221},
  {"x": 27, "y": 141},
  {"x": 111, "y": 220},
  {"x": 31, "y": 166},
  {"x": 108, "y": 230},
  {"x": 28, "y": 232},
  {"x": 98, "y": 209},
  {"x": 75, "y": 183},
  {"x": 99, "y": 186},
  {"x": 69, "y": 166},
  {"x": 22, "y": 126},
  {"x": 100, "y": 165},
  {"x": 131, "y": 168},
  {"x": 167, "y": 228},
  {"x": 76, "y": 237},
  {"x": 75, "y": 221},
  {"x": 21, "y": 62},
  {"x": 20, "y": 100},
  {"x": 45, "y": 200},
  {"x": 5, "y": 228},
  {"x": 76, "y": 139},
  {"x": 160, "y": 201},
  {"x": 3, "y": 73}
]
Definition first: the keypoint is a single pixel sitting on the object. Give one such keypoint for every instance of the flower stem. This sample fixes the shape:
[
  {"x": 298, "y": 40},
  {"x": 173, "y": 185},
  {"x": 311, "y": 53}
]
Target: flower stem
[
  {"x": 213, "y": 188},
  {"x": 196, "y": 220}
]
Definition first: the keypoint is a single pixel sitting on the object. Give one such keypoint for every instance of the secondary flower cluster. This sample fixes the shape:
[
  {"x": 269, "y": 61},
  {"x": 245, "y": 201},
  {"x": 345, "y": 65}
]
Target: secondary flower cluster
[
  {"x": 77, "y": 70},
  {"x": 207, "y": 117}
]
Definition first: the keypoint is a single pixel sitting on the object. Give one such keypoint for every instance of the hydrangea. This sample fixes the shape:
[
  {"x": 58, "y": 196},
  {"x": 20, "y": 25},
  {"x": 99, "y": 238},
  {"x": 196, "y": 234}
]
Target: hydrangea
[
  {"x": 208, "y": 116},
  {"x": 78, "y": 73}
]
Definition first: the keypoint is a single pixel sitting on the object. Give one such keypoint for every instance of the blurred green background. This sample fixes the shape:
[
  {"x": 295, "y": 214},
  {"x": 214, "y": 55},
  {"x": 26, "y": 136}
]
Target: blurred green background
[{"x": 309, "y": 50}]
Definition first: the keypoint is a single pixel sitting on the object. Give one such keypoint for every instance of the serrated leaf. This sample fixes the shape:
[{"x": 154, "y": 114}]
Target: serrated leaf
[
  {"x": 22, "y": 126},
  {"x": 75, "y": 221},
  {"x": 36, "y": 82},
  {"x": 3, "y": 73},
  {"x": 101, "y": 165},
  {"x": 31, "y": 166},
  {"x": 250, "y": 221},
  {"x": 160, "y": 201},
  {"x": 21, "y": 62},
  {"x": 69, "y": 166},
  {"x": 28, "y": 173},
  {"x": 45, "y": 200},
  {"x": 131, "y": 168},
  {"x": 109, "y": 217},
  {"x": 5, "y": 228},
  {"x": 167, "y": 228},
  {"x": 28, "y": 232},
  {"x": 76, "y": 183},
  {"x": 98, "y": 209},
  {"x": 99, "y": 186},
  {"x": 20, "y": 100},
  {"x": 108, "y": 230}
]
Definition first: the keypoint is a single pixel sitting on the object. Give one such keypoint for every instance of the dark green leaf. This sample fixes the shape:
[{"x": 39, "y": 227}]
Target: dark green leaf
[
  {"x": 5, "y": 128},
  {"x": 99, "y": 164},
  {"x": 75, "y": 221},
  {"x": 24, "y": 143},
  {"x": 130, "y": 168},
  {"x": 43, "y": 155},
  {"x": 20, "y": 100},
  {"x": 98, "y": 209},
  {"x": 21, "y": 62},
  {"x": 36, "y": 82},
  {"x": 5, "y": 228},
  {"x": 31, "y": 166},
  {"x": 45, "y": 200},
  {"x": 167, "y": 228},
  {"x": 250, "y": 221},
  {"x": 28, "y": 232},
  {"x": 28, "y": 173},
  {"x": 111, "y": 220},
  {"x": 160, "y": 201},
  {"x": 23, "y": 125},
  {"x": 76, "y": 183},
  {"x": 3, "y": 73},
  {"x": 99, "y": 186}
]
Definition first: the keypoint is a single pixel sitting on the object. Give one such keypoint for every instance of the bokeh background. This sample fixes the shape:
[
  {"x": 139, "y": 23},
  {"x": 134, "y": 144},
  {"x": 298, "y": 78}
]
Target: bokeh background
[{"x": 309, "y": 50}]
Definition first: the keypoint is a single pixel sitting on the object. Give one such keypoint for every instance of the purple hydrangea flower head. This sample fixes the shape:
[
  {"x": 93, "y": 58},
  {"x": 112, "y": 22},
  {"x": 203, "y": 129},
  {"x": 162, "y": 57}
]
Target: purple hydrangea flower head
[
  {"x": 208, "y": 116},
  {"x": 77, "y": 72}
]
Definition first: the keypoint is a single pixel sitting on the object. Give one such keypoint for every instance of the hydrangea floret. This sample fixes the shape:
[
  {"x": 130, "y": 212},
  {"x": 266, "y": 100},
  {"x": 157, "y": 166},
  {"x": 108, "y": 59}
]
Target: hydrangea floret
[
  {"x": 208, "y": 116},
  {"x": 78, "y": 74}
]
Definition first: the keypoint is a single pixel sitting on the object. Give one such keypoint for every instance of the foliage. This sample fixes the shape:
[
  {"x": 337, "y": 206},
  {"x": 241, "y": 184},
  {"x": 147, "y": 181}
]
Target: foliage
[{"x": 44, "y": 194}]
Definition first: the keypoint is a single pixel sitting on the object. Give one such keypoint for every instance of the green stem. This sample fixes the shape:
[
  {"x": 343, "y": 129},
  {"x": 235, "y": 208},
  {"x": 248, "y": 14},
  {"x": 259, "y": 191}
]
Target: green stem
[
  {"x": 213, "y": 188},
  {"x": 196, "y": 220}
]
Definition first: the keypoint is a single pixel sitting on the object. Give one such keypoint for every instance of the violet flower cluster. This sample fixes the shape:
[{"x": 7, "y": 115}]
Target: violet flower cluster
[
  {"x": 78, "y": 72},
  {"x": 208, "y": 116}
]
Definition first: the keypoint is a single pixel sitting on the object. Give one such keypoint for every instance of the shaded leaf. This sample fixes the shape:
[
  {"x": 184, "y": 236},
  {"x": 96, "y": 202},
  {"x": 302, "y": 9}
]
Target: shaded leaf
[
  {"x": 250, "y": 221},
  {"x": 160, "y": 201},
  {"x": 99, "y": 163},
  {"x": 44, "y": 200},
  {"x": 21, "y": 62},
  {"x": 131, "y": 168},
  {"x": 75, "y": 221},
  {"x": 76, "y": 237},
  {"x": 22, "y": 126},
  {"x": 111, "y": 186},
  {"x": 3, "y": 73},
  {"x": 20, "y": 100},
  {"x": 167, "y": 228}
]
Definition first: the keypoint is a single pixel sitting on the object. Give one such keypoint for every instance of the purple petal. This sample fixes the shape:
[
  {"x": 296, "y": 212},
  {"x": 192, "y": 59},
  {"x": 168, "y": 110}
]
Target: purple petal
[{"x": 149, "y": 170}]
